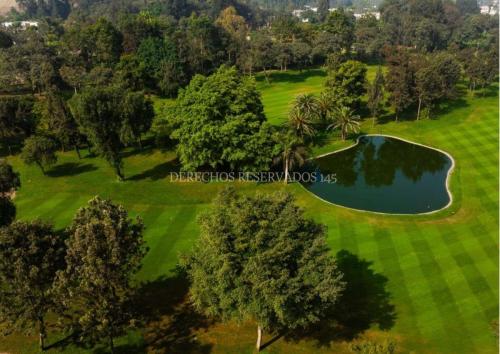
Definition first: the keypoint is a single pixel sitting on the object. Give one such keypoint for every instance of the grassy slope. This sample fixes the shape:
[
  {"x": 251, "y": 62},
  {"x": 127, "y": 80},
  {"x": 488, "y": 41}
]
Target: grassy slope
[{"x": 442, "y": 269}]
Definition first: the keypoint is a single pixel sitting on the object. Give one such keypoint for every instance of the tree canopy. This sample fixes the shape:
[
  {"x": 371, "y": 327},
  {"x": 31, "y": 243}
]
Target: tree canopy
[
  {"x": 259, "y": 258},
  {"x": 111, "y": 117},
  {"x": 220, "y": 123},
  {"x": 39, "y": 150},
  {"x": 30, "y": 255},
  {"x": 104, "y": 251}
]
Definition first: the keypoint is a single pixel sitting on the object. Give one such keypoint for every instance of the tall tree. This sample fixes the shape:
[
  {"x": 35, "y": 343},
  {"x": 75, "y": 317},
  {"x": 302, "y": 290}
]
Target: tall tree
[
  {"x": 220, "y": 122},
  {"x": 346, "y": 84},
  {"x": 369, "y": 38},
  {"x": 236, "y": 28},
  {"x": 203, "y": 43},
  {"x": 110, "y": 117},
  {"x": 376, "y": 94},
  {"x": 259, "y": 258},
  {"x": 436, "y": 79},
  {"x": 262, "y": 53},
  {"x": 137, "y": 116},
  {"x": 30, "y": 255},
  {"x": 103, "y": 42},
  {"x": 39, "y": 150},
  {"x": 400, "y": 80},
  {"x": 57, "y": 120},
  {"x": 161, "y": 64},
  {"x": 339, "y": 27},
  {"x": 426, "y": 87},
  {"x": 104, "y": 251}
]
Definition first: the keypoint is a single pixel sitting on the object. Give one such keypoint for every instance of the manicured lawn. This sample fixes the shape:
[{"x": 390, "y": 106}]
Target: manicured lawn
[{"x": 442, "y": 269}]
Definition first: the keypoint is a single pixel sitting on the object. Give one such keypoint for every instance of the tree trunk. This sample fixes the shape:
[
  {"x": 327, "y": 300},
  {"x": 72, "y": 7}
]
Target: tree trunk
[
  {"x": 41, "y": 167},
  {"x": 41, "y": 334},
  {"x": 259, "y": 338},
  {"x": 266, "y": 75},
  {"x": 286, "y": 169},
  {"x": 111, "y": 344},
  {"x": 419, "y": 105},
  {"x": 119, "y": 173}
]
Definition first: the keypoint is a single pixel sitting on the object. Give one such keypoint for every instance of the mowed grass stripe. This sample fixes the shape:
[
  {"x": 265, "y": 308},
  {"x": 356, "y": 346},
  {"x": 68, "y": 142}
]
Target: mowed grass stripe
[
  {"x": 391, "y": 268},
  {"x": 165, "y": 239},
  {"x": 478, "y": 290},
  {"x": 484, "y": 238},
  {"x": 347, "y": 236},
  {"x": 443, "y": 300},
  {"x": 48, "y": 209}
]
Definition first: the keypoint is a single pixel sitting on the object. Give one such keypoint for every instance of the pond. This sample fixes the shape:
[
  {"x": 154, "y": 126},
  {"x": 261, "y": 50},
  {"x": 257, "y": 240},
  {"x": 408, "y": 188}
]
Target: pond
[{"x": 383, "y": 174}]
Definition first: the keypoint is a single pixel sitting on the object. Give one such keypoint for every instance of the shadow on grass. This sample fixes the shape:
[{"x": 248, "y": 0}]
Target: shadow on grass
[
  {"x": 170, "y": 320},
  {"x": 439, "y": 109},
  {"x": 365, "y": 302},
  {"x": 158, "y": 172},
  {"x": 122, "y": 349},
  {"x": 70, "y": 169},
  {"x": 291, "y": 77},
  {"x": 448, "y": 106},
  {"x": 132, "y": 151}
]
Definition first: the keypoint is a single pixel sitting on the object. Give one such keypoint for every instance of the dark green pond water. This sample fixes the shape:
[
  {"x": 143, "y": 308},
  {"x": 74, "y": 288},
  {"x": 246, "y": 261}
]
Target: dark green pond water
[{"x": 383, "y": 174}]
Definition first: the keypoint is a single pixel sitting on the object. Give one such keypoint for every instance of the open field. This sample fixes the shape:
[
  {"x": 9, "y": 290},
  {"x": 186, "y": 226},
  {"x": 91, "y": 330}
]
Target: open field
[{"x": 441, "y": 269}]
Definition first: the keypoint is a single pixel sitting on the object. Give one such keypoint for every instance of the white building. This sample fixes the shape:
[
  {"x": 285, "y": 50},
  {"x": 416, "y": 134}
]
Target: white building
[
  {"x": 374, "y": 13},
  {"x": 21, "y": 24},
  {"x": 489, "y": 10}
]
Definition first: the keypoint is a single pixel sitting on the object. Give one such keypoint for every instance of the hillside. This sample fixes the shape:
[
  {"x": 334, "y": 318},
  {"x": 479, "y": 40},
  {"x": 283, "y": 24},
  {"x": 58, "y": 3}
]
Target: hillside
[{"x": 5, "y": 6}]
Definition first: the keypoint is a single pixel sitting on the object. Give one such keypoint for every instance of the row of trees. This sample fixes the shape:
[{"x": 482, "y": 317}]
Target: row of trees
[
  {"x": 82, "y": 275},
  {"x": 106, "y": 118},
  {"x": 218, "y": 120},
  {"x": 421, "y": 80},
  {"x": 152, "y": 51}
]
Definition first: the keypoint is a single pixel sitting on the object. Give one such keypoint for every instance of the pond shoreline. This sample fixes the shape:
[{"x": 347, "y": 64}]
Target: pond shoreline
[{"x": 447, "y": 182}]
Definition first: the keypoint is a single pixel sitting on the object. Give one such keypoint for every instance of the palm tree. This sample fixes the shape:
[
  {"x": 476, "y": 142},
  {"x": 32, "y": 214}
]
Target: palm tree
[
  {"x": 326, "y": 105},
  {"x": 303, "y": 114},
  {"x": 293, "y": 153},
  {"x": 307, "y": 103},
  {"x": 344, "y": 119}
]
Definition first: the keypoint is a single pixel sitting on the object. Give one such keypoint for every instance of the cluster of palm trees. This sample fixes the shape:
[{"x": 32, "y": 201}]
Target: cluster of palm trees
[
  {"x": 309, "y": 112},
  {"x": 307, "y": 115}
]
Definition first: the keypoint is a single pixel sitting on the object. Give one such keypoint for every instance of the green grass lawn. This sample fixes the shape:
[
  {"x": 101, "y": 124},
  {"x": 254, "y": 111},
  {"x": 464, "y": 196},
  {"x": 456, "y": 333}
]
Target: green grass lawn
[{"x": 442, "y": 269}]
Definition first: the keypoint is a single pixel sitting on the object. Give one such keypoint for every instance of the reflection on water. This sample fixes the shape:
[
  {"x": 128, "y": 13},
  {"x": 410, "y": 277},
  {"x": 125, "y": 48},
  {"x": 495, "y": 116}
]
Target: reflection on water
[{"x": 386, "y": 175}]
